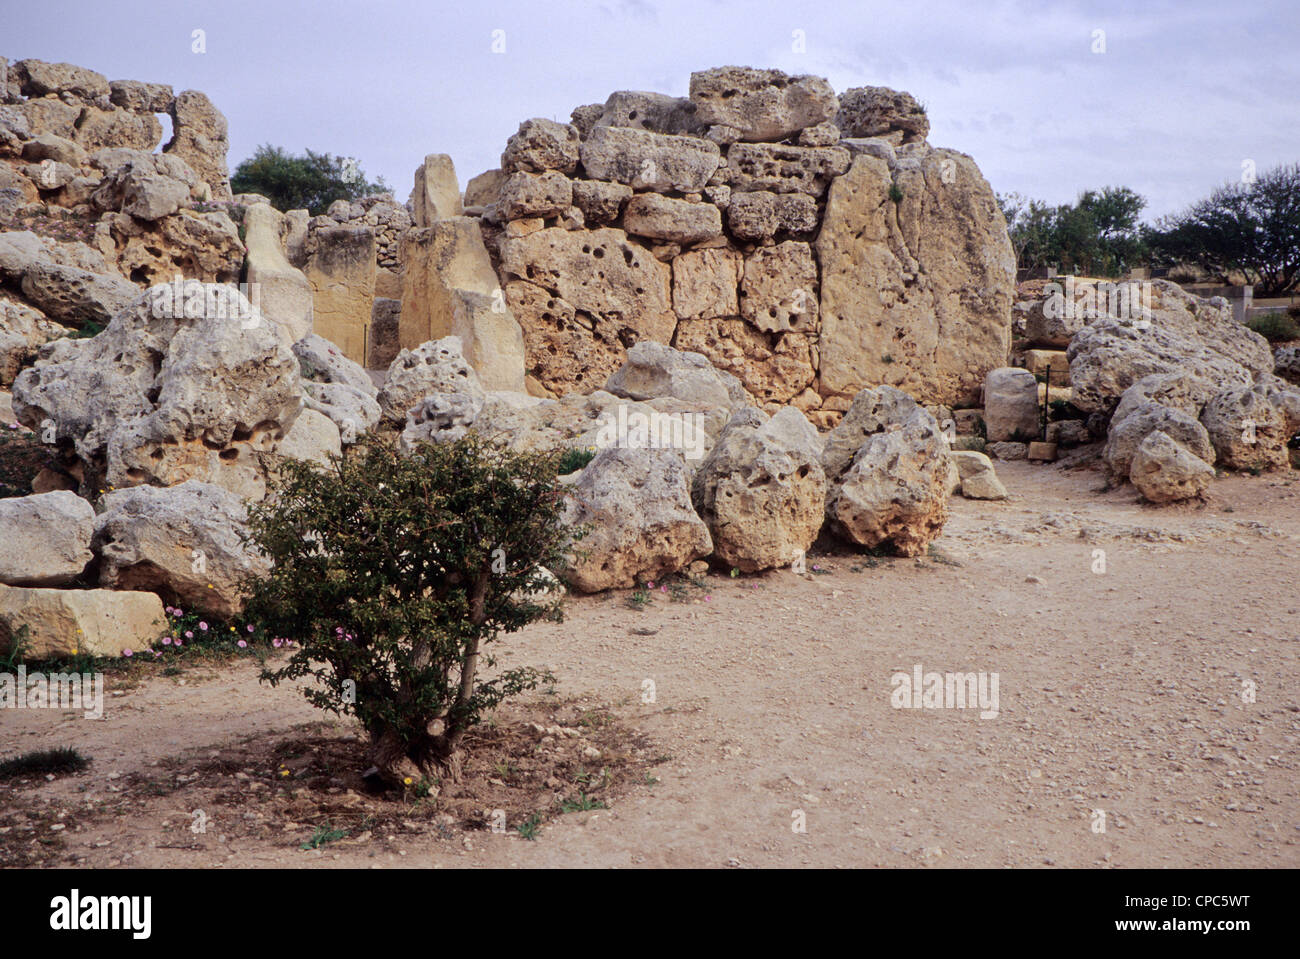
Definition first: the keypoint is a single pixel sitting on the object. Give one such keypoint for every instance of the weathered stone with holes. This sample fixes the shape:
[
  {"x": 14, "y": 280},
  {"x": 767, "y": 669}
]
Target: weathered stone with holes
[
  {"x": 535, "y": 194},
  {"x": 183, "y": 543},
  {"x": 675, "y": 221},
  {"x": 649, "y": 161},
  {"x": 762, "y": 490},
  {"x": 761, "y": 215},
  {"x": 880, "y": 112},
  {"x": 784, "y": 169},
  {"x": 643, "y": 526},
  {"x": 540, "y": 145},
  {"x": 778, "y": 292},
  {"x": 761, "y": 104},
  {"x": 1165, "y": 471}
]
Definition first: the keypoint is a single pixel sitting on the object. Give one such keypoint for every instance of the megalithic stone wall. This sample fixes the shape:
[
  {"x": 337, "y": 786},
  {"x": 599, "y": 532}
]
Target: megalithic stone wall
[{"x": 810, "y": 244}]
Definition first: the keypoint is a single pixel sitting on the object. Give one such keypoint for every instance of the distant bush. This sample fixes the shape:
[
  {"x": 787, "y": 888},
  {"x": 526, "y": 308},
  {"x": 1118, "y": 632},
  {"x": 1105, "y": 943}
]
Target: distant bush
[
  {"x": 1275, "y": 326},
  {"x": 394, "y": 572},
  {"x": 310, "y": 182}
]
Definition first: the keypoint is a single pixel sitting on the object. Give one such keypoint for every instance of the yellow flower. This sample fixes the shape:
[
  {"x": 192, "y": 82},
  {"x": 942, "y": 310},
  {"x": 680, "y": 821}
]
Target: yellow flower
[
  {"x": 284, "y": 772},
  {"x": 407, "y": 780}
]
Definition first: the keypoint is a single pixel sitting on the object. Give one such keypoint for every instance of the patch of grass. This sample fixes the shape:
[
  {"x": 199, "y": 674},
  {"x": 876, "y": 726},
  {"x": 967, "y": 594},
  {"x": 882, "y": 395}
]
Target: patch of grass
[
  {"x": 89, "y": 328},
  {"x": 582, "y": 804},
  {"x": 896, "y": 193},
  {"x": 573, "y": 460},
  {"x": 639, "y": 599},
  {"x": 530, "y": 827},
  {"x": 1276, "y": 326},
  {"x": 323, "y": 836},
  {"x": 64, "y": 759}
]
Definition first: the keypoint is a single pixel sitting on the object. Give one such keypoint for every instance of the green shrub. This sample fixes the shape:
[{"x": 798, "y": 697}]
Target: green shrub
[
  {"x": 574, "y": 459},
  {"x": 896, "y": 193},
  {"x": 311, "y": 181},
  {"x": 394, "y": 573},
  {"x": 1275, "y": 326}
]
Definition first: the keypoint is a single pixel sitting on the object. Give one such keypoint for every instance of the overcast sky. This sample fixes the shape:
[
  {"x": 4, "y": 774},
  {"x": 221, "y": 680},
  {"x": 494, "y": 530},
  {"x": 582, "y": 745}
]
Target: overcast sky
[{"x": 1183, "y": 94}]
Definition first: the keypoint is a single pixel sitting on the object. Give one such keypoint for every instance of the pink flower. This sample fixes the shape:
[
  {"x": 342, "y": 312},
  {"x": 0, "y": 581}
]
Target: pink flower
[
  {"x": 167, "y": 640},
  {"x": 663, "y": 589},
  {"x": 241, "y": 644},
  {"x": 707, "y": 598},
  {"x": 203, "y": 626},
  {"x": 179, "y": 643},
  {"x": 127, "y": 653},
  {"x": 277, "y": 642},
  {"x": 189, "y": 634},
  {"x": 250, "y": 627},
  {"x": 650, "y": 585}
]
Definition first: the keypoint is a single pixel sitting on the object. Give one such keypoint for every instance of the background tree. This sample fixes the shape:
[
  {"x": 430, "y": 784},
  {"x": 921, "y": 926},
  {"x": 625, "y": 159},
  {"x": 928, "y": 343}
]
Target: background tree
[
  {"x": 394, "y": 573},
  {"x": 1250, "y": 230},
  {"x": 311, "y": 181},
  {"x": 1098, "y": 235}
]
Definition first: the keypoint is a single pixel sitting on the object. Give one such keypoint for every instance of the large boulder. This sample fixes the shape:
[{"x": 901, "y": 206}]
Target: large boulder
[
  {"x": 1164, "y": 471},
  {"x": 313, "y": 438},
  {"x": 438, "y": 366},
  {"x": 1010, "y": 405},
  {"x": 437, "y": 192},
  {"x": 595, "y": 421},
  {"x": 23, "y": 331},
  {"x": 1173, "y": 332},
  {"x": 581, "y": 297},
  {"x": 778, "y": 168},
  {"x": 762, "y": 490},
  {"x": 653, "y": 370},
  {"x": 450, "y": 289},
  {"x": 540, "y": 145},
  {"x": 189, "y": 382},
  {"x": 649, "y": 161},
  {"x": 340, "y": 267},
  {"x": 895, "y": 491},
  {"x": 46, "y": 538},
  {"x": 656, "y": 112},
  {"x": 915, "y": 293},
  {"x": 1247, "y": 431},
  {"x": 1127, "y": 435},
  {"x": 62, "y": 623},
  {"x": 882, "y": 112},
  {"x": 36, "y": 78},
  {"x": 772, "y": 367},
  {"x": 761, "y": 104},
  {"x": 283, "y": 292},
  {"x": 183, "y": 543},
  {"x": 642, "y": 524},
  {"x": 1177, "y": 391},
  {"x": 200, "y": 138},
  {"x": 978, "y": 479},
  {"x": 671, "y": 221},
  {"x": 873, "y": 411}
]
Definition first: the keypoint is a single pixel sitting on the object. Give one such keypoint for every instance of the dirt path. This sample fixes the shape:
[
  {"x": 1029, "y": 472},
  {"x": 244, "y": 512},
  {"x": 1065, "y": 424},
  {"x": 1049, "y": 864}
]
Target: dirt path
[{"x": 1119, "y": 691}]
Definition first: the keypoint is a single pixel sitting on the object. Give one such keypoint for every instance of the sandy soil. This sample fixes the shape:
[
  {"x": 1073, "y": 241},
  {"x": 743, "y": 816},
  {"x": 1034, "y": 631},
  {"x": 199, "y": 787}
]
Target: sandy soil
[{"x": 1120, "y": 691}]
